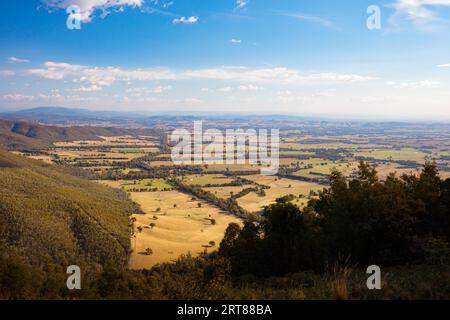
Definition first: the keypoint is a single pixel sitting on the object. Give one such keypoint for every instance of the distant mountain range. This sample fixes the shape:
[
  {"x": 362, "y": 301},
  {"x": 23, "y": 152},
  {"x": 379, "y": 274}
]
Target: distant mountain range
[{"x": 61, "y": 115}]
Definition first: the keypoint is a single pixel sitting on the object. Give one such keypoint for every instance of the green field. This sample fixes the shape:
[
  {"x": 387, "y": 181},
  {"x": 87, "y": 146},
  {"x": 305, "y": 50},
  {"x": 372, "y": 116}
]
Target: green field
[
  {"x": 404, "y": 154},
  {"x": 207, "y": 179},
  {"x": 150, "y": 184}
]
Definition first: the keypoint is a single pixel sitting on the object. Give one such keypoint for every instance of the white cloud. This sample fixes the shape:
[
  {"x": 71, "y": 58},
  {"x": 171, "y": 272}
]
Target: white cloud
[
  {"x": 92, "y": 88},
  {"x": 236, "y": 41},
  {"x": 89, "y": 7},
  {"x": 226, "y": 89},
  {"x": 241, "y": 4},
  {"x": 184, "y": 20},
  {"x": 250, "y": 87},
  {"x": 417, "y": 11},
  {"x": 106, "y": 76},
  {"x": 138, "y": 92},
  {"x": 427, "y": 84},
  {"x": 17, "y": 60},
  {"x": 278, "y": 74},
  {"x": 17, "y": 97},
  {"x": 445, "y": 65},
  {"x": 98, "y": 76}
]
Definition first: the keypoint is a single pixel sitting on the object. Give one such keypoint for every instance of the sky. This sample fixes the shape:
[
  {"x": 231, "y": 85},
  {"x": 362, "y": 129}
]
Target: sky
[{"x": 303, "y": 57}]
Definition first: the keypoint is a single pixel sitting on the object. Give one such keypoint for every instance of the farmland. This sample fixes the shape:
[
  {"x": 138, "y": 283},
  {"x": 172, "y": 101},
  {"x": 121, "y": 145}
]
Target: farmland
[
  {"x": 174, "y": 224},
  {"x": 186, "y": 208}
]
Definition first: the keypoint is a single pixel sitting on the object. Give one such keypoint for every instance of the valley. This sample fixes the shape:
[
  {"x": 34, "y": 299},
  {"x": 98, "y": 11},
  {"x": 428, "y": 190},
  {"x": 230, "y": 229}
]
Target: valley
[{"x": 188, "y": 207}]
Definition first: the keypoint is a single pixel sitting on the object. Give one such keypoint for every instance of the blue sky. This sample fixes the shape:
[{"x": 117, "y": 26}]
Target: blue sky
[{"x": 251, "y": 56}]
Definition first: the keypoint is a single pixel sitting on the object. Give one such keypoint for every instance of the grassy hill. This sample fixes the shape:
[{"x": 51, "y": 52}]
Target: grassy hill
[
  {"x": 18, "y": 135},
  {"x": 50, "y": 218}
]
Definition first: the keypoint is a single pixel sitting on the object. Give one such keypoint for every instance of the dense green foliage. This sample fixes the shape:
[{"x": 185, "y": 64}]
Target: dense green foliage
[
  {"x": 50, "y": 219},
  {"x": 363, "y": 221}
]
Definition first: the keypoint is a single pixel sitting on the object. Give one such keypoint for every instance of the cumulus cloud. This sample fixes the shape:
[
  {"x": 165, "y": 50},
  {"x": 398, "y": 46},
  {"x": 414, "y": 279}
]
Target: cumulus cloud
[
  {"x": 89, "y": 7},
  {"x": 184, "y": 20},
  {"x": 417, "y": 11},
  {"x": 445, "y": 65},
  {"x": 236, "y": 41},
  {"x": 17, "y": 60}
]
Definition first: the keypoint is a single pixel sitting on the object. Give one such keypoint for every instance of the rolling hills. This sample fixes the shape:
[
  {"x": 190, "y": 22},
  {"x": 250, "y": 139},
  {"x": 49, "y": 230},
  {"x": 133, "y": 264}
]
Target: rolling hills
[
  {"x": 50, "y": 218},
  {"x": 19, "y": 135}
]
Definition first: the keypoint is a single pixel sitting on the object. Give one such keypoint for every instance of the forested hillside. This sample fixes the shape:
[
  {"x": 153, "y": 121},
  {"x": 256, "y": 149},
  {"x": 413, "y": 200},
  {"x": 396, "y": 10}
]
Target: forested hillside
[
  {"x": 17, "y": 135},
  {"x": 50, "y": 219}
]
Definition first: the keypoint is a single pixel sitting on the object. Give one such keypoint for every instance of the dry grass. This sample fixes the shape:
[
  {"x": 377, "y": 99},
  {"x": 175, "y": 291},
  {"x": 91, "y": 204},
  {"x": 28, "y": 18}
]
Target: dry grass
[
  {"x": 186, "y": 228},
  {"x": 278, "y": 188}
]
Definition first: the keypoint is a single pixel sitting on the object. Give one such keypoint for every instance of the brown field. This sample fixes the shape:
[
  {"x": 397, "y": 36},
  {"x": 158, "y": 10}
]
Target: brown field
[
  {"x": 278, "y": 188},
  {"x": 181, "y": 230},
  {"x": 224, "y": 192}
]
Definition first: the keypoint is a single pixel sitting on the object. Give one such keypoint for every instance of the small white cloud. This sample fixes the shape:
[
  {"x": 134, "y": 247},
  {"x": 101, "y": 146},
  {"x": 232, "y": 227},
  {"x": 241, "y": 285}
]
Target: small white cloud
[
  {"x": 184, "y": 20},
  {"x": 205, "y": 89},
  {"x": 250, "y": 87},
  {"x": 418, "y": 11},
  {"x": 236, "y": 41},
  {"x": 18, "y": 97},
  {"x": 17, "y": 60},
  {"x": 226, "y": 89},
  {"x": 92, "y": 88},
  {"x": 241, "y": 4},
  {"x": 426, "y": 84},
  {"x": 445, "y": 65}
]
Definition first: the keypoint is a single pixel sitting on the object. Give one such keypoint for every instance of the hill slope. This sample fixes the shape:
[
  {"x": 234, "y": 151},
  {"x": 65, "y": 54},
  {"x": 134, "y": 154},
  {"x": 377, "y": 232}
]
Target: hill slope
[
  {"x": 18, "y": 135},
  {"x": 52, "y": 219}
]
